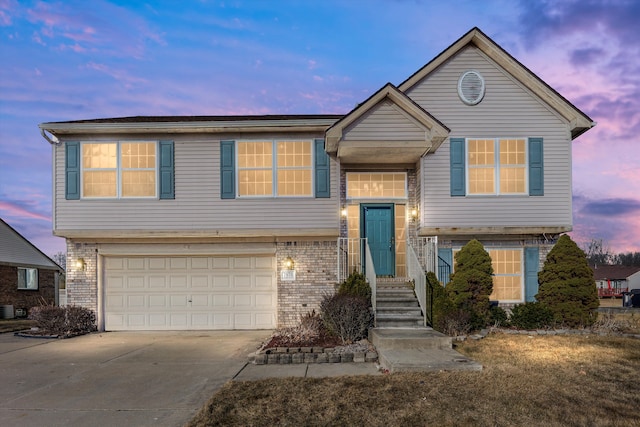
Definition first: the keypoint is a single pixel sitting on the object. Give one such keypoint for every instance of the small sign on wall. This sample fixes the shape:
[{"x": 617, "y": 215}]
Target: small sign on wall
[{"x": 287, "y": 275}]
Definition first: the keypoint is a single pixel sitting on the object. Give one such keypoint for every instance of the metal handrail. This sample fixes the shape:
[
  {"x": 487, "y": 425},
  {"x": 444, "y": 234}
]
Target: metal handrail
[{"x": 417, "y": 274}]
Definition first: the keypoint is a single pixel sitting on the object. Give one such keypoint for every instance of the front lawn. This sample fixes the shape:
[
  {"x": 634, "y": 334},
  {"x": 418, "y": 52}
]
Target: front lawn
[{"x": 526, "y": 380}]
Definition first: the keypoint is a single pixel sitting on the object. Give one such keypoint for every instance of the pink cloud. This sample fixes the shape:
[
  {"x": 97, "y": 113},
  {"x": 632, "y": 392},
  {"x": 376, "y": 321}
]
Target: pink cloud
[{"x": 13, "y": 210}]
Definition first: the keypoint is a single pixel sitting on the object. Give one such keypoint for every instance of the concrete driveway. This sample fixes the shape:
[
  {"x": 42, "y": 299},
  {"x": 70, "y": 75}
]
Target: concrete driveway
[{"x": 117, "y": 378}]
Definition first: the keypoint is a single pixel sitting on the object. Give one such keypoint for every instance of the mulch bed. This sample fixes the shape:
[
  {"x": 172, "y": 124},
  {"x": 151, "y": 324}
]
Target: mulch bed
[{"x": 320, "y": 341}]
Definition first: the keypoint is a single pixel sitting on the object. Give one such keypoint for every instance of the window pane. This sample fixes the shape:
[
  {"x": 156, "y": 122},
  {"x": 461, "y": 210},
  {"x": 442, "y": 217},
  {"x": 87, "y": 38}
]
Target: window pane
[
  {"x": 294, "y": 154},
  {"x": 294, "y": 182},
  {"x": 481, "y": 152},
  {"x": 507, "y": 279},
  {"x": 255, "y": 154},
  {"x": 481, "y": 181},
  {"x": 376, "y": 185},
  {"x": 138, "y": 183},
  {"x": 512, "y": 152},
  {"x": 255, "y": 182},
  {"x": 138, "y": 155},
  {"x": 99, "y": 156},
  {"x": 27, "y": 278},
  {"x": 99, "y": 184},
  {"x": 512, "y": 180}
]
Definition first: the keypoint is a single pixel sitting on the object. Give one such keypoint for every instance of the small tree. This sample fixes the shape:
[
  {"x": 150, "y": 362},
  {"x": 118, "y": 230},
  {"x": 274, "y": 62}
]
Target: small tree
[
  {"x": 567, "y": 285},
  {"x": 472, "y": 283}
]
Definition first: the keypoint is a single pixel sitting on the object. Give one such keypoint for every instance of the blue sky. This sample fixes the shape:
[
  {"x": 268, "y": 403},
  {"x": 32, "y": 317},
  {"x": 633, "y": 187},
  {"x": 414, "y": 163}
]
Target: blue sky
[{"x": 78, "y": 59}]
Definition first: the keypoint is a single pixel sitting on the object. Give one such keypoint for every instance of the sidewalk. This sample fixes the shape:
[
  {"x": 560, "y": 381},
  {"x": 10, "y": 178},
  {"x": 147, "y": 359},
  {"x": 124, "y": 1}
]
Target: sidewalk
[{"x": 252, "y": 372}]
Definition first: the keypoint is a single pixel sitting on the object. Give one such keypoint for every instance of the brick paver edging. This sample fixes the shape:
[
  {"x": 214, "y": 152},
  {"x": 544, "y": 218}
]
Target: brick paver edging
[{"x": 293, "y": 355}]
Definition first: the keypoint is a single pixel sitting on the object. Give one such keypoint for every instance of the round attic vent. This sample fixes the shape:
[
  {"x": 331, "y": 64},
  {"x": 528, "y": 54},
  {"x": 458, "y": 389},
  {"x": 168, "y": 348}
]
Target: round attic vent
[{"x": 471, "y": 87}]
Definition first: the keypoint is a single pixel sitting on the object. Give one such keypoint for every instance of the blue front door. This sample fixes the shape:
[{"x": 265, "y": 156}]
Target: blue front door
[{"x": 377, "y": 227}]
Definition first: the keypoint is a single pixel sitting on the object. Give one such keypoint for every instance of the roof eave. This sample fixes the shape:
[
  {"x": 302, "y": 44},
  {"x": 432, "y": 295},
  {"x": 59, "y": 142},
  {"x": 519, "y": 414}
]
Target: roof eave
[{"x": 302, "y": 125}]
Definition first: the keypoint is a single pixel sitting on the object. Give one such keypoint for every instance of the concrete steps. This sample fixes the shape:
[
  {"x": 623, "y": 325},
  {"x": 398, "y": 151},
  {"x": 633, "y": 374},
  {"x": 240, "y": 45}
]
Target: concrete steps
[
  {"x": 418, "y": 350},
  {"x": 396, "y": 304}
]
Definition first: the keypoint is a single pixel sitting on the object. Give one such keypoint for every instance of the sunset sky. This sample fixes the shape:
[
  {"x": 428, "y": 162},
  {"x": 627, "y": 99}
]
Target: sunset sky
[{"x": 80, "y": 59}]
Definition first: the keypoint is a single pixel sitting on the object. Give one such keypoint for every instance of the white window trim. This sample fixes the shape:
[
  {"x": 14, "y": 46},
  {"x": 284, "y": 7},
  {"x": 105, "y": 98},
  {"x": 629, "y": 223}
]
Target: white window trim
[
  {"x": 274, "y": 169},
  {"x": 26, "y": 287},
  {"x": 496, "y": 177},
  {"x": 377, "y": 199},
  {"x": 119, "y": 169}
]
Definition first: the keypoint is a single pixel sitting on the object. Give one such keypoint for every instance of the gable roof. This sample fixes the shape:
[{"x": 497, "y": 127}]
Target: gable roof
[
  {"x": 614, "y": 272},
  {"x": 579, "y": 122},
  {"x": 16, "y": 250},
  {"x": 435, "y": 130}
]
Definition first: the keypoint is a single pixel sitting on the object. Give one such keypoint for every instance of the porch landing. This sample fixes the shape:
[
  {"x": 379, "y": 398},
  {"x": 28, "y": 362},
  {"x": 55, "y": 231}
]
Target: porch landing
[{"x": 418, "y": 350}]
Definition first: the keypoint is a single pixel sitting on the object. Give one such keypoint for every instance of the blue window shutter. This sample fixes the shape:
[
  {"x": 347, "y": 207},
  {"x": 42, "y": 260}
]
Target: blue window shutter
[
  {"x": 227, "y": 169},
  {"x": 322, "y": 170},
  {"x": 72, "y": 170},
  {"x": 167, "y": 182},
  {"x": 458, "y": 184},
  {"x": 536, "y": 167},
  {"x": 531, "y": 263}
]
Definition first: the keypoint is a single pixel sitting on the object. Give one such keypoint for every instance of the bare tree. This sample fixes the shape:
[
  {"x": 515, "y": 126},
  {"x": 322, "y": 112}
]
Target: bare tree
[
  {"x": 599, "y": 254},
  {"x": 61, "y": 259}
]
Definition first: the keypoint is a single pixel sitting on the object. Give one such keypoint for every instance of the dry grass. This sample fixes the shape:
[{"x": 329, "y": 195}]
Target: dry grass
[{"x": 532, "y": 381}]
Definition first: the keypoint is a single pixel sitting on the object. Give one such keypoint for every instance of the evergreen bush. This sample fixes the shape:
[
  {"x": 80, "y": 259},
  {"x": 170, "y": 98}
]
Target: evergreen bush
[
  {"x": 356, "y": 285},
  {"x": 472, "y": 283},
  {"x": 531, "y": 315},
  {"x": 567, "y": 285}
]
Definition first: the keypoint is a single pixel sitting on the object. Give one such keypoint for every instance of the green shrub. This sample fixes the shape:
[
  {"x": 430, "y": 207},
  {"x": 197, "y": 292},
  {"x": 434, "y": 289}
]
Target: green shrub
[
  {"x": 442, "y": 305},
  {"x": 567, "y": 285},
  {"x": 346, "y": 316},
  {"x": 497, "y": 316},
  {"x": 356, "y": 285},
  {"x": 472, "y": 283},
  {"x": 531, "y": 315},
  {"x": 63, "y": 321}
]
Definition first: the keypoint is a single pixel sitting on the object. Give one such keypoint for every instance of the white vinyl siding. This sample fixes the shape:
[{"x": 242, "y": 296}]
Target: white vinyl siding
[
  {"x": 385, "y": 121},
  {"x": 507, "y": 109},
  {"x": 197, "y": 204}
]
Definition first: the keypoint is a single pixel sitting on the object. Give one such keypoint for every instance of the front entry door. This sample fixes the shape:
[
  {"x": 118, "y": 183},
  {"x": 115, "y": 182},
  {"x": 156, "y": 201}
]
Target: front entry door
[{"x": 377, "y": 227}]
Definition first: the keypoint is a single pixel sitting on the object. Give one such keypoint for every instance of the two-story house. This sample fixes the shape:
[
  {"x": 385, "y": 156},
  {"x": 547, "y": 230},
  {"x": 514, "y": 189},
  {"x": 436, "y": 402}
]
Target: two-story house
[{"x": 242, "y": 222}]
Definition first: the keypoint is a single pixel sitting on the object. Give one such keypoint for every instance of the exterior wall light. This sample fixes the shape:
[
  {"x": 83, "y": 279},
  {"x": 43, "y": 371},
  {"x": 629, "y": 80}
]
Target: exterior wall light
[
  {"x": 288, "y": 263},
  {"x": 414, "y": 214},
  {"x": 343, "y": 212},
  {"x": 81, "y": 264}
]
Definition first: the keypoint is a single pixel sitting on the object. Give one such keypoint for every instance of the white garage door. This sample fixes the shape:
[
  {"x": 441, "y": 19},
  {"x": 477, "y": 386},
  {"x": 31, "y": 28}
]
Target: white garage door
[{"x": 183, "y": 293}]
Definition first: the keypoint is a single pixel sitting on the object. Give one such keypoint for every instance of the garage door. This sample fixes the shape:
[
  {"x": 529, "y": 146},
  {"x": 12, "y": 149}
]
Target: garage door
[{"x": 183, "y": 293}]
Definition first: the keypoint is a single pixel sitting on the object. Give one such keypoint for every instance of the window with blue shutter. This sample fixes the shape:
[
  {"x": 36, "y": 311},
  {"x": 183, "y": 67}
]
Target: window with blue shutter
[
  {"x": 72, "y": 171},
  {"x": 536, "y": 167},
  {"x": 227, "y": 170},
  {"x": 167, "y": 180},
  {"x": 531, "y": 263},
  {"x": 457, "y": 157},
  {"x": 322, "y": 170}
]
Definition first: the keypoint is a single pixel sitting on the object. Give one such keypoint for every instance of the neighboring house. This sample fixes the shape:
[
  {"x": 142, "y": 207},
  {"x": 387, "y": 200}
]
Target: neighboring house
[
  {"x": 242, "y": 222},
  {"x": 613, "y": 280},
  {"x": 27, "y": 276}
]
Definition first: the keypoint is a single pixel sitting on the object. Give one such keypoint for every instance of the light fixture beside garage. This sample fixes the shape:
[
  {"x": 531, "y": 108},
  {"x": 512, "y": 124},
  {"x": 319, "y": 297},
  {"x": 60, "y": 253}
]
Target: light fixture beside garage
[
  {"x": 80, "y": 264},
  {"x": 289, "y": 264},
  {"x": 288, "y": 272}
]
